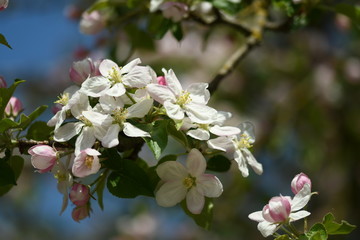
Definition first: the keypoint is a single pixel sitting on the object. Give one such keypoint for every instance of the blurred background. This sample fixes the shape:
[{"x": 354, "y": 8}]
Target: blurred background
[{"x": 300, "y": 89}]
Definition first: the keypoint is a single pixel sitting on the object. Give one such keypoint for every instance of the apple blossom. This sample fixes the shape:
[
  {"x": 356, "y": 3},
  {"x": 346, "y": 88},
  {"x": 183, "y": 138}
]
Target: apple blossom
[
  {"x": 43, "y": 157},
  {"x": 161, "y": 80},
  {"x": 80, "y": 212},
  {"x": 177, "y": 101},
  {"x": 79, "y": 194},
  {"x": 92, "y": 23},
  {"x": 281, "y": 210},
  {"x": 2, "y": 82},
  {"x": 114, "y": 79},
  {"x": 3, "y": 4},
  {"x": 86, "y": 163},
  {"x": 174, "y": 10},
  {"x": 81, "y": 70},
  {"x": 190, "y": 182},
  {"x": 65, "y": 181},
  {"x": 13, "y": 107},
  {"x": 238, "y": 146},
  {"x": 299, "y": 181}
]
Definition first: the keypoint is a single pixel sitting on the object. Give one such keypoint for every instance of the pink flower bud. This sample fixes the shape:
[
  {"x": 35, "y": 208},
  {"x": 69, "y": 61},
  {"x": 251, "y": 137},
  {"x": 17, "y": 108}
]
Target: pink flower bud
[
  {"x": 162, "y": 81},
  {"x": 3, "y": 4},
  {"x": 277, "y": 210},
  {"x": 86, "y": 163},
  {"x": 92, "y": 23},
  {"x": 56, "y": 107},
  {"x": 2, "y": 82},
  {"x": 81, "y": 70},
  {"x": 174, "y": 10},
  {"x": 79, "y": 194},
  {"x": 14, "y": 107},
  {"x": 299, "y": 181},
  {"x": 43, "y": 157},
  {"x": 81, "y": 212}
]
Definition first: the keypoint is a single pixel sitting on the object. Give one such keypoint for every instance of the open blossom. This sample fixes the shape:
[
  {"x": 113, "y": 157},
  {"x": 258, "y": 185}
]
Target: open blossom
[
  {"x": 202, "y": 131},
  {"x": 190, "y": 182},
  {"x": 79, "y": 194},
  {"x": 118, "y": 118},
  {"x": 238, "y": 146},
  {"x": 3, "y": 4},
  {"x": 81, "y": 70},
  {"x": 43, "y": 157},
  {"x": 174, "y": 10},
  {"x": 86, "y": 163},
  {"x": 93, "y": 22},
  {"x": 14, "y": 107},
  {"x": 177, "y": 101},
  {"x": 280, "y": 210},
  {"x": 299, "y": 181},
  {"x": 114, "y": 79}
]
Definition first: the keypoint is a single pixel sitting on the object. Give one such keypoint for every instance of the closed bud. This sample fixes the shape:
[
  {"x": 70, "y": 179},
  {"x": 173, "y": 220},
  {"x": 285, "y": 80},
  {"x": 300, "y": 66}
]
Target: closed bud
[
  {"x": 81, "y": 70},
  {"x": 277, "y": 210},
  {"x": 3, "y": 4},
  {"x": 81, "y": 212},
  {"x": 2, "y": 82},
  {"x": 43, "y": 157},
  {"x": 14, "y": 107},
  {"x": 299, "y": 181},
  {"x": 92, "y": 23},
  {"x": 162, "y": 81},
  {"x": 79, "y": 194}
]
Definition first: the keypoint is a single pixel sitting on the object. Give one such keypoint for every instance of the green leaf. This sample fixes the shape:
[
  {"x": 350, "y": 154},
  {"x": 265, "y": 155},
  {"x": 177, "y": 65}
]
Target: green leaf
[
  {"x": 283, "y": 237},
  {"x": 166, "y": 158},
  {"x": 351, "y": 11},
  {"x": 203, "y": 219},
  {"x": 177, "y": 31},
  {"x": 100, "y": 186},
  {"x": 158, "y": 26},
  {"x": 3, "y": 41},
  {"x": 99, "y": 5},
  {"x": 6, "y": 124},
  {"x": 5, "y": 95},
  {"x": 317, "y": 232},
  {"x": 7, "y": 175},
  {"x": 227, "y": 6},
  {"x": 16, "y": 163},
  {"x": 129, "y": 180},
  {"x": 159, "y": 137},
  {"x": 138, "y": 38},
  {"x": 334, "y": 228},
  {"x": 178, "y": 135},
  {"x": 218, "y": 163},
  {"x": 39, "y": 131}
]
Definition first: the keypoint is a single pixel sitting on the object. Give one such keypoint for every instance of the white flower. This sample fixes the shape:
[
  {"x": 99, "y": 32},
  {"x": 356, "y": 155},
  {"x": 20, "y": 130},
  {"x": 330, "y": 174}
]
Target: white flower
[
  {"x": 92, "y": 126},
  {"x": 239, "y": 146},
  {"x": 177, "y": 101},
  {"x": 118, "y": 119},
  {"x": 280, "y": 210},
  {"x": 65, "y": 181},
  {"x": 114, "y": 79},
  {"x": 202, "y": 131},
  {"x": 188, "y": 182},
  {"x": 86, "y": 163},
  {"x": 69, "y": 98}
]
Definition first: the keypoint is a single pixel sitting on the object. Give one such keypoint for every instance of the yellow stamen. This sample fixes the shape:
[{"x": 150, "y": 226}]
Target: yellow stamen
[
  {"x": 189, "y": 182},
  {"x": 85, "y": 121},
  {"x": 89, "y": 161},
  {"x": 120, "y": 115},
  {"x": 63, "y": 99},
  {"x": 184, "y": 99},
  {"x": 244, "y": 141}
]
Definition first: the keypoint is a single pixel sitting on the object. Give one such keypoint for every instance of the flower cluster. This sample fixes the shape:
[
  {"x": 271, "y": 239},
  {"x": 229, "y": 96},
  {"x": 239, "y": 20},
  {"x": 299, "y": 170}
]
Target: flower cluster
[
  {"x": 282, "y": 210},
  {"x": 109, "y": 103}
]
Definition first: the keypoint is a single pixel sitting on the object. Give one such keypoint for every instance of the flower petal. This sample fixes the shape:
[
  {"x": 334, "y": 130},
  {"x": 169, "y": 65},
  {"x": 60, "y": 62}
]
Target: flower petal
[
  {"x": 67, "y": 131},
  {"x": 110, "y": 103},
  {"x": 95, "y": 86},
  {"x": 160, "y": 93},
  {"x": 241, "y": 160},
  {"x": 195, "y": 201},
  {"x": 139, "y": 77},
  {"x": 174, "y": 111},
  {"x": 298, "y": 215},
  {"x": 86, "y": 139},
  {"x": 195, "y": 163},
  {"x": 116, "y": 90},
  {"x": 222, "y": 143},
  {"x": 140, "y": 109},
  {"x": 224, "y": 131},
  {"x": 111, "y": 138},
  {"x": 199, "y": 93},
  {"x": 132, "y": 131},
  {"x": 172, "y": 82},
  {"x": 209, "y": 185},
  {"x": 248, "y": 129},
  {"x": 256, "y": 216},
  {"x": 255, "y": 165},
  {"x": 107, "y": 66},
  {"x": 130, "y": 66},
  {"x": 267, "y": 228},
  {"x": 170, "y": 193},
  {"x": 301, "y": 198},
  {"x": 200, "y": 134},
  {"x": 200, "y": 113},
  {"x": 171, "y": 170}
]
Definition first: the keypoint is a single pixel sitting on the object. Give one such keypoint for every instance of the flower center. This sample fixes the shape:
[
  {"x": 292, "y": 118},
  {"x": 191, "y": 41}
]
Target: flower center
[
  {"x": 63, "y": 99},
  {"x": 86, "y": 121},
  {"x": 115, "y": 75},
  {"x": 184, "y": 99},
  {"x": 189, "y": 182},
  {"x": 60, "y": 176},
  {"x": 120, "y": 115},
  {"x": 244, "y": 141},
  {"x": 89, "y": 161},
  {"x": 204, "y": 126}
]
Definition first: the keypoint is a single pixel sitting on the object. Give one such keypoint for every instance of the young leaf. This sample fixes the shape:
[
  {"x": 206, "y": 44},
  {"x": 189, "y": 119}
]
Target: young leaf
[
  {"x": 218, "y": 163},
  {"x": 7, "y": 175},
  {"x": 203, "y": 219},
  {"x": 3, "y": 41},
  {"x": 16, "y": 163},
  {"x": 334, "y": 228},
  {"x": 39, "y": 131},
  {"x": 159, "y": 138},
  {"x": 284, "y": 237},
  {"x": 317, "y": 232},
  {"x": 100, "y": 189},
  {"x": 177, "y": 31},
  {"x": 6, "y": 124}
]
